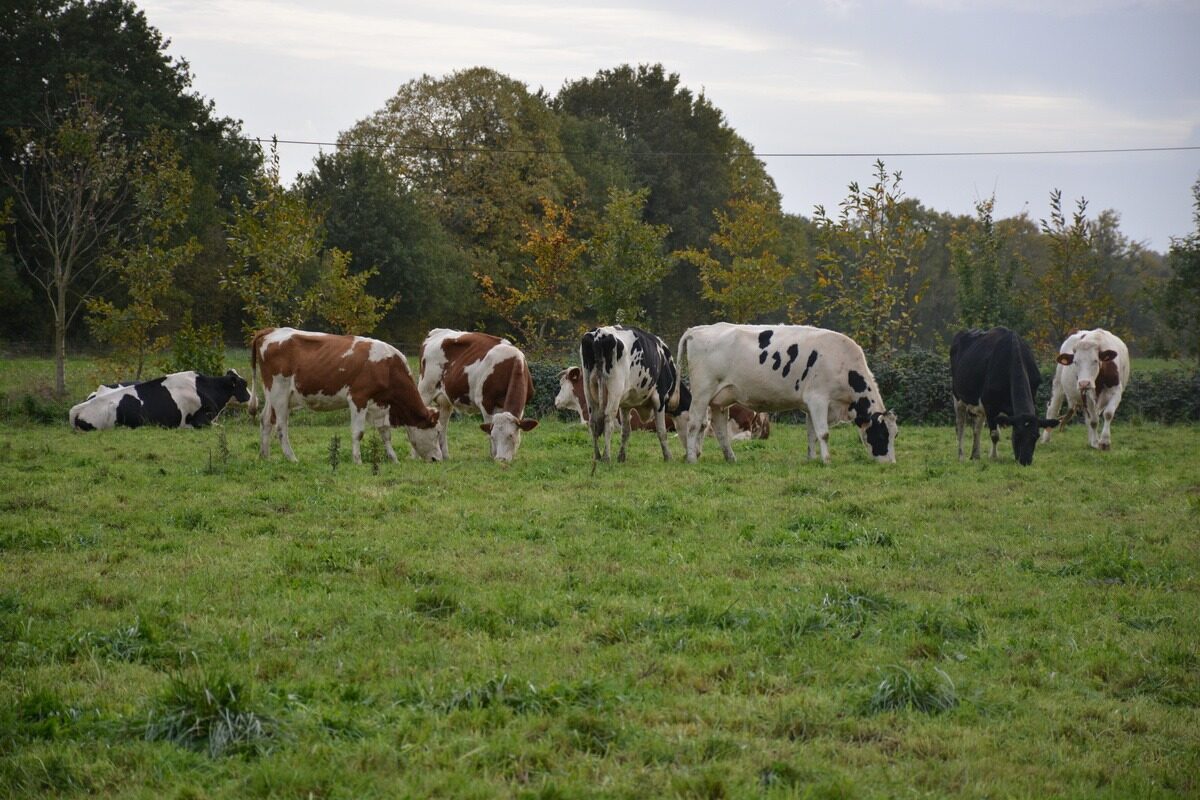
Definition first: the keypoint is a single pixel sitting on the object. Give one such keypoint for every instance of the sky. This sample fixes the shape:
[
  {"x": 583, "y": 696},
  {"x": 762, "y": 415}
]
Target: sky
[{"x": 840, "y": 82}]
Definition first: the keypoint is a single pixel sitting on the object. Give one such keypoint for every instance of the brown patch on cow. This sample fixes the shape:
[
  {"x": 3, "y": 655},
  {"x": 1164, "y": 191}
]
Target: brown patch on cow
[
  {"x": 1109, "y": 376},
  {"x": 326, "y": 363},
  {"x": 637, "y": 423},
  {"x": 508, "y": 387},
  {"x": 575, "y": 376}
]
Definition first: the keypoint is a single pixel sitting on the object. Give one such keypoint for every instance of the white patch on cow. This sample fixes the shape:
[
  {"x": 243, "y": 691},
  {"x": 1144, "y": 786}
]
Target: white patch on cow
[
  {"x": 182, "y": 388},
  {"x": 100, "y": 408},
  {"x": 381, "y": 351},
  {"x": 566, "y": 399}
]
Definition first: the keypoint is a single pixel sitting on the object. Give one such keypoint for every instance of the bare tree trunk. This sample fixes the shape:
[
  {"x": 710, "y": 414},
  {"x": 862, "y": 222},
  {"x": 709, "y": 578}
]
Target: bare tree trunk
[{"x": 60, "y": 344}]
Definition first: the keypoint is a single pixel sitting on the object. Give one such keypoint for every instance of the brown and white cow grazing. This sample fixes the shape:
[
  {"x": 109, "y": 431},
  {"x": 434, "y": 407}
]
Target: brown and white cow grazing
[
  {"x": 1092, "y": 373},
  {"x": 744, "y": 423},
  {"x": 325, "y": 372},
  {"x": 482, "y": 372}
]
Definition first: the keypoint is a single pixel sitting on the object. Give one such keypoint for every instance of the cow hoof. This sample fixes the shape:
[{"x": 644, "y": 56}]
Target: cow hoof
[{"x": 1105, "y": 445}]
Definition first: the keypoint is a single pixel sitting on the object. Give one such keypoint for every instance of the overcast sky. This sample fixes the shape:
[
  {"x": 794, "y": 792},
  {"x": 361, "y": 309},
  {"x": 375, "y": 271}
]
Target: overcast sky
[{"x": 831, "y": 76}]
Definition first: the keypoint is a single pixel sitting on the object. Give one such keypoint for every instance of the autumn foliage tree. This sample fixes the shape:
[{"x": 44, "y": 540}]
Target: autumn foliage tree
[
  {"x": 545, "y": 294},
  {"x": 1070, "y": 292},
  {"x": 986, "y": 272},
  {"x": 740, "y": 274},
  {"x": 281, "y": 271},
  {"x": 866, "y": 264},
  {"x": 628, "y": 257},
  {"x": 146, "y": 268}
]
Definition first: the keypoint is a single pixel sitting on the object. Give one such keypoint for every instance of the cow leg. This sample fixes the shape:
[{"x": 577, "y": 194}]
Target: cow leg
[
  {"x": 1055, "y": 405},
  {"x": 264, "y": 440},
  {"x": 358, "y": 426},
  {"x": 660, "y": 426},
  {"x": 1111, "y": 403},
  {"x": 720, "y": 423},
  {"x": 445, "y": 409},
  {"x": 385, "y": 435},
  {"x": 812, "y": 436},
  {"x": 819, "y": 414},
  {"x": 623, "y": 414},
  {"x": 960, "y": 424},
  {"x": 995, "y": 434},
  {"x": 597, "y": 430},
  {"x": 281, "y": 425}
]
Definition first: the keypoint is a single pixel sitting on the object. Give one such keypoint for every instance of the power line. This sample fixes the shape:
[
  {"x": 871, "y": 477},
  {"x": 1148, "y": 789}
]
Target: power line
[{"x": 749, "y": 154}]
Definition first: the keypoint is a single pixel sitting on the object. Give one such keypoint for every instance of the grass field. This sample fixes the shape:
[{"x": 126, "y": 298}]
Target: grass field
[{"x": 179, "y": 619}]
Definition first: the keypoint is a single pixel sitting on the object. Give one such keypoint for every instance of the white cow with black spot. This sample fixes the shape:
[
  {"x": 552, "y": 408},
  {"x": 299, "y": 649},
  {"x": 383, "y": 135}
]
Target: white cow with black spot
[{"x": 783, "y": 368}]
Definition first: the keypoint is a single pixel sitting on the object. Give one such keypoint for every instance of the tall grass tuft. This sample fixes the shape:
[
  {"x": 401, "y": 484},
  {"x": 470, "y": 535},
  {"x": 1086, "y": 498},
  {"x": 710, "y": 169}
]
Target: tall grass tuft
[
  {"x": 899, "y": 689},
  {"x": 209, "y": 714}
]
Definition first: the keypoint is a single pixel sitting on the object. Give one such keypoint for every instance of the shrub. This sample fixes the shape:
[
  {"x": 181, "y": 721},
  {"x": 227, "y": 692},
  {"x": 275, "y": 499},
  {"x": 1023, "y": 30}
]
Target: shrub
[
  {"x": 210, "y": 714},
  {"x": 900, "y": 689},
  {"x": 196, "y": 348}
]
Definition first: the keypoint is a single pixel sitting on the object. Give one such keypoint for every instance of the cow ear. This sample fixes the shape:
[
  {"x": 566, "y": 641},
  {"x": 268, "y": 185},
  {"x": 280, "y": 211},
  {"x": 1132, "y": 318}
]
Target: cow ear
[
  {"x": 486, "y": 427},
  {"x": 1108, "y": 355},
  {"x": 1002, "y": 420},
  {"x": 573, "y": 373},
  {"x": 527, "y": 424},
  {"x": 1065, "y": 358}
]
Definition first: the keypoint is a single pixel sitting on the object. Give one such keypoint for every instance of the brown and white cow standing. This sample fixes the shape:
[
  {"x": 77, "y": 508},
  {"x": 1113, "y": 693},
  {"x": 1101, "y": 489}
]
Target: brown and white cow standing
[
  {"x": 744, "y": 423},
  {"x": 1091, "y": 376},
  {"x": 325, "y": 372},
  {"x": 482, "y": 372}
]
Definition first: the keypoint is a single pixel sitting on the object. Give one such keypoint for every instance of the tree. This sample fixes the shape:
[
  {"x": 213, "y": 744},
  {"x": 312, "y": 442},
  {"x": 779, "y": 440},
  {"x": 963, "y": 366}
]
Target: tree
[
  {"x": 987, "y": 272},
  {"x": 370, "y": 212},
  {"x": 746, "y": 280},
  {"x": 481, "y": 150},
  {"x": 866, "y": 264},
  {"x": 69, "y": 184},
  {"x": 146, "y": 266},
  {"x": 1070, "y": 292},
  {"x": 546, "y": 293},
  {"x": 281, "y": 271},
  {"x": 1180, "y": 295},
  {"x": 628, "y": 257},
  {"x": 47, "y": 45}
]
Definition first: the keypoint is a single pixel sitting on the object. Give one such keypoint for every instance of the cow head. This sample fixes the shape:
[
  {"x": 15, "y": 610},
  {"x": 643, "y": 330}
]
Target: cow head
[
  {"x": 1088, "y": 360},
  {"x": 570, "y": 392},
  {"x": 879, "y": 436},
  {"x": 505, "y": 433},
  {"x": 1025, "y": 431},
  {"x": 760, "y": 426},
  {"x": 424, "y": 438},
  {"x": 237, "y": 385}
]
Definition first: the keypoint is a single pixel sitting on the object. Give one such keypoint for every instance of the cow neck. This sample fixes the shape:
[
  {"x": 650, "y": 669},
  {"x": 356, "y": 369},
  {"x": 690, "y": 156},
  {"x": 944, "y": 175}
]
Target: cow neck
[
  {"x": 403, "y": 390},
  {"x": 1021, "y": 393},
  {"x": 517, "y": 390}
]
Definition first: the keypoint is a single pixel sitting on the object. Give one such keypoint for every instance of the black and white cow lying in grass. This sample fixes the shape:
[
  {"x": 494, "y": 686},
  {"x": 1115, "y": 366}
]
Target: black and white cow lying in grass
[
  {"x": 780, "y": 368},
  {"x": 178, "y": 400}
]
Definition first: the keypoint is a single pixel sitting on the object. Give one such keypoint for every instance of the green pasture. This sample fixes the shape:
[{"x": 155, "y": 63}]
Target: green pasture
[{"x": 181, "y": 619}]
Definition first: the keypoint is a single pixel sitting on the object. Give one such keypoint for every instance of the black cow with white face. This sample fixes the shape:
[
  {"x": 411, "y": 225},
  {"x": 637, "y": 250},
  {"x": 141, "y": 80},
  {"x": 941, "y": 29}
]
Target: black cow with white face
[
  {"x": 626, "y": 368},
  {"x": 995, "y": 379},
  {"x": 178, "y": 400}
]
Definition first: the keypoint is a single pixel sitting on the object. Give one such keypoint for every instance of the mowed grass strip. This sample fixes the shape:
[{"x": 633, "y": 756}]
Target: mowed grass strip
[{"x": 178, "y": 618}]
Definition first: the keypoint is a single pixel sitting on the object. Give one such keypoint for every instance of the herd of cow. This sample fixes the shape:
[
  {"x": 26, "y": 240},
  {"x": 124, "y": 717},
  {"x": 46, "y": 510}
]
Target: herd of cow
[{"x": 737, "y": 375}]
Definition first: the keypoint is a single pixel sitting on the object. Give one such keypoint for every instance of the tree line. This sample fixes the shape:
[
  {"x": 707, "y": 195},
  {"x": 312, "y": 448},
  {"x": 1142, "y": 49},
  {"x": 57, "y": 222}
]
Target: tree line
[{"x": 137, "y": 219}]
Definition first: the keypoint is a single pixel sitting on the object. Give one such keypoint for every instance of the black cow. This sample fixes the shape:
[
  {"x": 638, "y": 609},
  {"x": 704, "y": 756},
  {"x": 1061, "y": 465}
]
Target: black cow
[
  {"x": 995, "y": 377},
  {"x": 178, "y": 400}
]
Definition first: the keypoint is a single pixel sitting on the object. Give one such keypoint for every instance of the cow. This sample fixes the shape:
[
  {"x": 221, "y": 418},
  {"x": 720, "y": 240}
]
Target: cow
[
  {"x": 1092, "y": 373},
  {"x": 995, "y": 378},
  {"x": 179, "y": 400},
  {"x": 626, "y": 368},
  {"x": 781, "y": 368},
  {"x": 477, "y": 371},
  {"x": 744, "y": 423},
  {"x": 326, "y": 372}
]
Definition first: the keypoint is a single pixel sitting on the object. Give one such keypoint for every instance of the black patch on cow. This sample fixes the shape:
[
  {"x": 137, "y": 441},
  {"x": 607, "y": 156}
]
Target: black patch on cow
[
  {"x": 129, "y": 412},
  {"x": 777, "y": 359},
  {"x": 877, "y": 435},
  {"x": 84, "y": 425},
  {"x": 762, "y": 357},
  {"x": 792, "y": 352},
  {"x": 587, "y": 352},
  {"x": 797, "y": 384},
  {"x": 157, "y": 407},
  {"x": 857, "y": 382},
  {"x": 764, "y": 339},
  {"x": 215, "y": 394},
  {"x": 861, "y": 408},
  {"x": 812, "y": 359}
]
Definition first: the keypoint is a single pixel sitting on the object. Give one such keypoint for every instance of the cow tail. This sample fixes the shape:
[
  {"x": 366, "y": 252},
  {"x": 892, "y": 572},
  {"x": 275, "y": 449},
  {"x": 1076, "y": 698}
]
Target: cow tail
[{"x": 681, "y": 353}]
